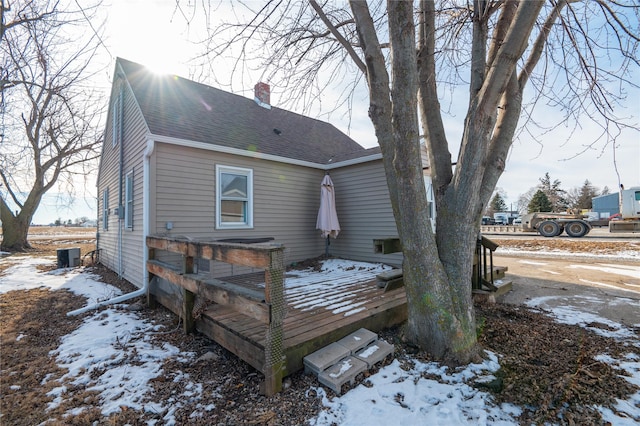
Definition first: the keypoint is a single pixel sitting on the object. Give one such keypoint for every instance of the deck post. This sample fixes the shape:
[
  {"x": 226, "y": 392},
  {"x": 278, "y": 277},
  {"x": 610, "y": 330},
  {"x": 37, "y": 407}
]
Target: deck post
[
  {"x": 275, "y": 361},
  {"x": 188, "y": 299},
  {"x": 151, "y": 300}
]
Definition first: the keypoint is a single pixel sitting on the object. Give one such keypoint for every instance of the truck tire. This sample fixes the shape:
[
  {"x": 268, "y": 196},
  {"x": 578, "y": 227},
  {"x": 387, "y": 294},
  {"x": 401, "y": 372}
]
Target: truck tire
[
  {"x": 549, "y": 228},
  {"x": 576, "y": 229}
]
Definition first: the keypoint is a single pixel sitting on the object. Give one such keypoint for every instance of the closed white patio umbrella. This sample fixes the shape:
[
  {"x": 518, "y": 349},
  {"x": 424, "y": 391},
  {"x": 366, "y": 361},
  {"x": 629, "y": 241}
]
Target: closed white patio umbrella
[{"x": 327, "y": 221}]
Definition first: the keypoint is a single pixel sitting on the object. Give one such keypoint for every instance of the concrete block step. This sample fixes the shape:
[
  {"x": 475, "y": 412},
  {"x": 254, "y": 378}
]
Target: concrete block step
[
  {"x": 325, "y": 357},
  {"x": 344, "y": 371},
  {"x": 340, "y": 362},
  {"x": 358, "y": 340},
  {"x": 375, "y": 352}
]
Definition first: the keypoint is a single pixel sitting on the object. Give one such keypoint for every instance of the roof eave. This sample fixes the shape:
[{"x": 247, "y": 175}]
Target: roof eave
[{"x": 259, "y": 155}]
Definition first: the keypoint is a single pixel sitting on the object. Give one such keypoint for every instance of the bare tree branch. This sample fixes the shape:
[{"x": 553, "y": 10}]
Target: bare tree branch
[
  {"x": 52, "y": 118},
  {"x": 334, "y": 31}
]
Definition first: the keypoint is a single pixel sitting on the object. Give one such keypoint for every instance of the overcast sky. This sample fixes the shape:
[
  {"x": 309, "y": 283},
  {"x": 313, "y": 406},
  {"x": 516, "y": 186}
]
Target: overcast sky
[{"x": 155, "y": 37}]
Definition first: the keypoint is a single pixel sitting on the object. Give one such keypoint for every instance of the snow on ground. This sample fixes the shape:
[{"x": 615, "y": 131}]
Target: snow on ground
[
  {"x": 622, "y": 255},
  {"x": 112, "y": 353},
  {"x": 113, "y": 347},
  {"x": 626, "y": 270},
  {"x": 405, "y": 397}
]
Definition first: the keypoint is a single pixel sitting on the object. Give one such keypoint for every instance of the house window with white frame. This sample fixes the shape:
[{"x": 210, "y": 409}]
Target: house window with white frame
[
  {"x": 128, "y": 205},
  {"x": 234, "y": 197},
  {"x": 105, "y": 209}
]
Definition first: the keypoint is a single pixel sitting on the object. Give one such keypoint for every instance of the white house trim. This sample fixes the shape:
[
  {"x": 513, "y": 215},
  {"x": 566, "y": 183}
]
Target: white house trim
[{"x": 270, "y": 157}]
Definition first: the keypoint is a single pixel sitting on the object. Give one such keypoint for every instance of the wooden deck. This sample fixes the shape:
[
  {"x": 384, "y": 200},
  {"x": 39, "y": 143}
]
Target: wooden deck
[
  {"x": 260, "y": 318},
  {"x": 314, "y": 319}
]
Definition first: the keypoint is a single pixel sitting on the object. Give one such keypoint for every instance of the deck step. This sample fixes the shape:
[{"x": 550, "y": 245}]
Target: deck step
[
  {"x": 484, "y": 296},
  {"x": 344, "y": 371},
  {"x": 324, "y": 358},
  {"x": 358, "y": 340},
  {"x": 390, "y": 280},
  {"x": 340, "y": 362},
  {"x": 375, "y": 352}
]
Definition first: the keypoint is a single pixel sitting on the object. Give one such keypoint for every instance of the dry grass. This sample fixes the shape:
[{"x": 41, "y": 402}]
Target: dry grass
[
  {"x": 46, "y": 240},
  {"x": 31, "y": 324}
]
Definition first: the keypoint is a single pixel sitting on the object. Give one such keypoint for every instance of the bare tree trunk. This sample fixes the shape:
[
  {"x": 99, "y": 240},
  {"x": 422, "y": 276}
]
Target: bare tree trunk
[
  {"x": 15, "y": 229},
  {"x": 438, "y": 282}
]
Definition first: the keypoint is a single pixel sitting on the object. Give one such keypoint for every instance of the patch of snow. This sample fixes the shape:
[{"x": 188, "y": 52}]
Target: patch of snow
[
  {"x": 633, "y": 255},
  {"x": 628, "y": 408},
  {"x": 346, "y": 366},
  {"x": 530, "y": 262},
  {"x": 354, "y": 311},
  {"x": 615, "y": 287},
  {"x": 626, "y": 270},
  {"x": 113, "y": 346},
  {"x": 334, "y": 288},
  {"x": 112, "y": 352},
  {"x": 405, "y": 397},
  {"x": 369, "y": 351},
  {"x": 566, "y": 314}
]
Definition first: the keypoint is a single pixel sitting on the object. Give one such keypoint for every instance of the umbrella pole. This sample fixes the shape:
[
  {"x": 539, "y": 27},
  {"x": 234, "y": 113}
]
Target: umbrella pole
[{"x": 326, "y": 248}]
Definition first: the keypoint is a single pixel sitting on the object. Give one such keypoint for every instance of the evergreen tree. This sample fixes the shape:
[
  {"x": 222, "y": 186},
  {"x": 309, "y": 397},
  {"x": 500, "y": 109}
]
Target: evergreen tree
[
  {"x": 556, "y": 196},
  {"x": 498, "y": 204},
  {"x": 539, "y": 203},
  {"x": 586, "y": 195}
]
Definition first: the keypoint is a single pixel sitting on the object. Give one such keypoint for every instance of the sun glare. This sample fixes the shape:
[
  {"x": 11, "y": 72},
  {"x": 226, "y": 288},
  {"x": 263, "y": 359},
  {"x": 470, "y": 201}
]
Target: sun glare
[
  {"x": 157, "y": 42},
  {"x": 160, "y": 66}
]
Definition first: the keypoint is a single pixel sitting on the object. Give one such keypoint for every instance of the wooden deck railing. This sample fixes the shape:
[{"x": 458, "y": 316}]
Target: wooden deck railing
[
  {"x": 268, "y": 307},
  {"x": 483, "y": 269},
  {"x": 483, "y": 272}
]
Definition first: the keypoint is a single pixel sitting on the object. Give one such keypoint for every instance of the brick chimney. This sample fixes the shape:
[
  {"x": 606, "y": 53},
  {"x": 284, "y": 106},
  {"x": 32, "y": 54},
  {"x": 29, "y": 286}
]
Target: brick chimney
[{"x": 262, "y": 95}]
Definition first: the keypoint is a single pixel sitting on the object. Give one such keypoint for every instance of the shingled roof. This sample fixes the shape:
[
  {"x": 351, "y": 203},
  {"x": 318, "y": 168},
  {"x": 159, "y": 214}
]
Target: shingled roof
[{"x": 180, "y": 108}]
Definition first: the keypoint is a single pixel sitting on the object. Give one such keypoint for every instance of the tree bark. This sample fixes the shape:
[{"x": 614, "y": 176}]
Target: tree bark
[{"x": 15, "y": 229}]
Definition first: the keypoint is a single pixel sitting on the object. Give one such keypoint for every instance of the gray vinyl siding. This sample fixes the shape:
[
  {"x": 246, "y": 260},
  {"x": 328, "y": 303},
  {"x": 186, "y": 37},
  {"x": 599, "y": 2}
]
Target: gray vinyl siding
[
  {"x": 182, "y": 192},
  {"x": 424, "y": 158},
  {"x": 285, "y": 204},
  {"x": 126, "y": 257},
  {"x": 364, "y": 211}
]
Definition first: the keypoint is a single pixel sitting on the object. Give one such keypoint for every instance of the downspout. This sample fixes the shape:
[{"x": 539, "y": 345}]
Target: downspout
[
  {"x": 120, "y": 178},
  {"x": 146, "y": 218}
]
